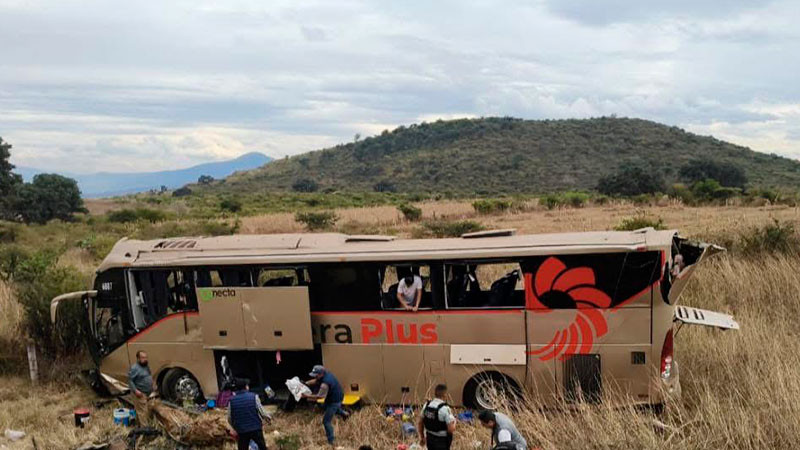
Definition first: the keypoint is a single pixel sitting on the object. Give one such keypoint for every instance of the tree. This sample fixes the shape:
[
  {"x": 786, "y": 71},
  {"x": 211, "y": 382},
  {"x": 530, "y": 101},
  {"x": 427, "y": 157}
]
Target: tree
[
  {"x": 725, "y": 173},
  {"x": 49, "y": 196},
  {"x": 631, "y": 180},
  {"x": 231, "y": 205},
  {"x": 182, "y": 192},
  {"x": 9, "y": 181},
  {"x": 305, "y": 185},
  {"x": 205, "y": 179}
]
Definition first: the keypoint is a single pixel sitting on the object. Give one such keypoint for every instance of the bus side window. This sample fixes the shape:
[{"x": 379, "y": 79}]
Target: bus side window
[
  {"x": 390, "y": 277},
  {"x": 278, "y": 277},
  {"x": 224, "y": 277},
  {"x": 344, "y": 287},
  {"x": 484, "y": 285}
]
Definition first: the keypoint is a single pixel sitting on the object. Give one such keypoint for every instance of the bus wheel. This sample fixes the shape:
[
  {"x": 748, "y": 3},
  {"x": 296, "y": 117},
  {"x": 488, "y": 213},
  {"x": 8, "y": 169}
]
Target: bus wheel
[
  {"x": 489, "y": 390},
  {"x": 179, "y": 385}
]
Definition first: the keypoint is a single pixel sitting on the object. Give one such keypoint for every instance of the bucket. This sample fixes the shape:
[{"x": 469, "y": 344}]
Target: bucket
[
  {"x": 81, "y": 416},
  {"x": 122, "y": 416}
]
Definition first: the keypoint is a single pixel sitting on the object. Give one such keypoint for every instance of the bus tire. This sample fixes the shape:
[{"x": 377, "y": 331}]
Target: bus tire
[
  {"x": 178, "y": 385},
  {"x": 484, "y": 389}
]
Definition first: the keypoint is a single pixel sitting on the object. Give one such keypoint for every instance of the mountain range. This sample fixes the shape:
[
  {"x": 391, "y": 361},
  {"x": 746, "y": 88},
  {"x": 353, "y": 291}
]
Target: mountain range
[
  {"x": 107, "y": 184},
  {"x": 505, "y": 155}
]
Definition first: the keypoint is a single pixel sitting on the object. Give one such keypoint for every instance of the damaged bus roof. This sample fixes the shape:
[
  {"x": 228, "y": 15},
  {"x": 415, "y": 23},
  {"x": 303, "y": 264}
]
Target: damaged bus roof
[{"x": 335, "y": 247}]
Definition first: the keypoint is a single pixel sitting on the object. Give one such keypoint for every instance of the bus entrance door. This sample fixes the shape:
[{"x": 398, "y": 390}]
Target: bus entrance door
[{"x": 277, "y": 318}]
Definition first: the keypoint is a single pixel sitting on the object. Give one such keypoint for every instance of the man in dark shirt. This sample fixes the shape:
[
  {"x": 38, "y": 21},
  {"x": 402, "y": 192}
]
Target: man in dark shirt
[
  {"x": 140, "y": 382},
  {"x": 139, "y": 379},
  {"x": 332, "y": 392},
  {"x": 245, "y": 415}
]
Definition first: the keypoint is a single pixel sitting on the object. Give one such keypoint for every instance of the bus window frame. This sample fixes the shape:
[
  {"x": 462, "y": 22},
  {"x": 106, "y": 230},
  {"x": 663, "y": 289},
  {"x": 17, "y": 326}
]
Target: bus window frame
[
  {"x": 477, "y": 262},
  {"x": 382, "y": 272}
]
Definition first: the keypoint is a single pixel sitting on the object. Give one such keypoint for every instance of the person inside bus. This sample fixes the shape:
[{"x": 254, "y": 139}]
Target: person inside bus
[
  {"x": 409, "y": 292},
  {"x": 437, "y": 422},
  {"x": 333, "y": 395},
  {"x": 246, "y": 415}
]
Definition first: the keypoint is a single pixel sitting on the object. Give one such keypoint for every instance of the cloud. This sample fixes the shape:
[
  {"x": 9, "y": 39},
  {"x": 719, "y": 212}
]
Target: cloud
[{"x": 89, "y": 86}]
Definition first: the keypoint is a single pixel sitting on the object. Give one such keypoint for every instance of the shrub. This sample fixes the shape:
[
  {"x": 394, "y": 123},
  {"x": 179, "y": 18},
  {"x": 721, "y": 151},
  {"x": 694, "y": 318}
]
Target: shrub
[
  {"x": 491, "y": 205},
  {"x": 8, "y": 232},
  {"x": 410, "y": 212},
  {"x": 133, "y": 215},
  {"x": 681, "y": 192},
  {"x": 322, "y": 220},
  {"x": 441, "y": 228},
  {"x": 233, "y": 205},
  {"x": 573, "y": 199},
  {"x": 38, "y": 280},
  {"x": 205, "y": 179},
  {"x": 710, "y": 189},
  {"x": 182, "y": 192},
  {"x": 641, "y": 220},
  {"x": 151, "y": 215},
  {"x": 122, "y": 216},
  {"x": 775, "y": 237},
  {"x": 727, "y": 174},
  {"x": 305, "y": 185},
  {"x": 384, "y": 186},
  {"x": 631, "y": 180}
]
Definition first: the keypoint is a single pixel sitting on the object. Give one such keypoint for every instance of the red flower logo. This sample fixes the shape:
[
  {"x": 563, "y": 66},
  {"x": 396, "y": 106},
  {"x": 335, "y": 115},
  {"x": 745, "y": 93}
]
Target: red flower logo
[{"x": 556, "y": 287}]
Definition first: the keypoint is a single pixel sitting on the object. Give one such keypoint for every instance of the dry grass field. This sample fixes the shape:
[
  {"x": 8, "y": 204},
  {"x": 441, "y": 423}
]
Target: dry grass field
[{"x": 740, "y": 389}]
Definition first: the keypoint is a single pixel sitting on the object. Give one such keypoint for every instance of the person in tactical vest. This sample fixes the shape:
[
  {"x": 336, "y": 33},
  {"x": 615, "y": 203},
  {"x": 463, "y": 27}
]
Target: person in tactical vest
[
  {"x": 332, "y": 392},
  {"x": 245, "y": 415},
  {"x": 437, "y": 422}
]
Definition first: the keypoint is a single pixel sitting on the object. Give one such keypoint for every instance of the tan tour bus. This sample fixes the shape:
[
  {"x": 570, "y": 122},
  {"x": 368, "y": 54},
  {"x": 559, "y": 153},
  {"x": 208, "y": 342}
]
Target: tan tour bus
[{"x": 561, "y": 317}]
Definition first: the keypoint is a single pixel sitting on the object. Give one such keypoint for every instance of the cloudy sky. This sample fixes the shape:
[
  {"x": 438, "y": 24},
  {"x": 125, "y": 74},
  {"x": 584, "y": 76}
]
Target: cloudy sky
[{"x": 127, "y": 86}]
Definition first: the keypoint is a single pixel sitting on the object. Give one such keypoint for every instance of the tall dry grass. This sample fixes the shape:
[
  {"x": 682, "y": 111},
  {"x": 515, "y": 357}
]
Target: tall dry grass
[
  {"x": 740, "y": 388},
  {"x": 11, "y": 316}
]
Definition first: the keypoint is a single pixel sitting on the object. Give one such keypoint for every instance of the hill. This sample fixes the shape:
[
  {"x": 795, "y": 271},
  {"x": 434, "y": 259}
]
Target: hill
[
  {"x": 105, "y": 184},
  {"x": 506, "y": 155}
]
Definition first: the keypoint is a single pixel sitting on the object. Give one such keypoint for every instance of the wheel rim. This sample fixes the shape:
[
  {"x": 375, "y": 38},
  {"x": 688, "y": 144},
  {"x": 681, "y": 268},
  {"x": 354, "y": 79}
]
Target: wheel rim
[
  {"x": 486, "y": 393},
  {"x": 186, "y": 388}
]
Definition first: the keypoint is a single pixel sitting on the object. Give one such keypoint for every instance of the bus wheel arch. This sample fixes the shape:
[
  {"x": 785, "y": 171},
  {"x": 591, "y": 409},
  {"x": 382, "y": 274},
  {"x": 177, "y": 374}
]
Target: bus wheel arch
[
  {"x": 482, "y": 389},
  {"x": 177, "y": 383}
]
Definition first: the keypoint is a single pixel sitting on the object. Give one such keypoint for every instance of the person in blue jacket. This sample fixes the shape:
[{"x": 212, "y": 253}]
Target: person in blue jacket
[
  {"x": 245, "y": 415},
  {"x": 331, "y": 391}
]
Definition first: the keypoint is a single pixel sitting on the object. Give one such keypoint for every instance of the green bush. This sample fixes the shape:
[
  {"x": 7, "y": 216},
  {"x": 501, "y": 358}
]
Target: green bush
[
  {"x": 182, "y": 192},
  {"x": 38, "y": 280},
  {"x": 8, "y": 232},
  {"x": 410, "y": 212},
  {"x": 775, "y": 237},
  {"x": 233, "y": 205},
  {"x": 681, "y": 192},
  {"x": 323, "y": 220},
  {"x": 639, "y": 221},
  {"x": 570, "y": 198},
  {"x": 441, "y": 228},
  {"x": 710, "y": 189},
  {"x": 632, "y": 179},
  {"x": 305, "y": 185},
  {"x": 134, "y": 215},
  {"x": 491, "y": 205}
]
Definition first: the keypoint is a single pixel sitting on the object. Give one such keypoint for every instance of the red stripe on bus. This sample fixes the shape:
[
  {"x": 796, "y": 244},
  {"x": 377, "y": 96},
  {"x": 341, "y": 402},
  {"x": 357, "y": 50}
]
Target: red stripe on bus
[
  {"x": 161, "y": 320},
  {"x": 412, "y": 313}
]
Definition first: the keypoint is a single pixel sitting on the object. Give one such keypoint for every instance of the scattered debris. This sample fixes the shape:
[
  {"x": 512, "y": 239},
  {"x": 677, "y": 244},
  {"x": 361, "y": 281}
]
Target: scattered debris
[
  {"x": 210, "y": 429},
  {"x": 14, "y": 435}
]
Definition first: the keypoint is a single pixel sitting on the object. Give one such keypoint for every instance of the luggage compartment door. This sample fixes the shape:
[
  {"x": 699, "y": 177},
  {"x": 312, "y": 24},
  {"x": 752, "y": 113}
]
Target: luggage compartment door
[
  {"x": 277, "y": 318},
  {"x": 221, "y": 317}
]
